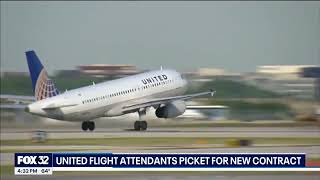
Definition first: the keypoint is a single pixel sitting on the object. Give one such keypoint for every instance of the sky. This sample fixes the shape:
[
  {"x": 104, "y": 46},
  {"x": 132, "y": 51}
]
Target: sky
[{"x": 236, "y": 36}]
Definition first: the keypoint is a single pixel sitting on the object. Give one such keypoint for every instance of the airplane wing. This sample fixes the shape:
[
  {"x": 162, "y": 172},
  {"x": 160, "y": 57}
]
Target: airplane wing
[
  {"x": 195, "y": 107},
  {"x": 159, "y": 101}
]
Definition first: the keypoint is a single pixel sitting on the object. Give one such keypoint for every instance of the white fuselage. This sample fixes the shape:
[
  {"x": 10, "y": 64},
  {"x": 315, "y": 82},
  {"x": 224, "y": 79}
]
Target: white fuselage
[{"x": 106, "y": 99}]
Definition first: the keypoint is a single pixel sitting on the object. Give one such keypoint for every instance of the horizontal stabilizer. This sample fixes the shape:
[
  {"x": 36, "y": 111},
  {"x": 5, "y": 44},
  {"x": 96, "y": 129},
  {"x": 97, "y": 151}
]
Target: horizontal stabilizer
[{"x": 56, "y": 106}]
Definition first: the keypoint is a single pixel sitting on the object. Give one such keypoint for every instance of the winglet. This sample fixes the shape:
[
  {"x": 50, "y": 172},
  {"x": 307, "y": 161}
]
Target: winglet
[{"x": 212, "y": 92}]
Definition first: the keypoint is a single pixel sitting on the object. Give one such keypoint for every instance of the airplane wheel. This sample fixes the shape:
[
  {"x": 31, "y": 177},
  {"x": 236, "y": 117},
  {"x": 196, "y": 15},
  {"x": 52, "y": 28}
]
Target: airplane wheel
[
  {"x": 140, "y": 125},
  {"x": 85, "y": 125},
  {"x": 137, "y": 125},
  {"x": 91, "y": 125},
  {"x": 143, "y": 125}
]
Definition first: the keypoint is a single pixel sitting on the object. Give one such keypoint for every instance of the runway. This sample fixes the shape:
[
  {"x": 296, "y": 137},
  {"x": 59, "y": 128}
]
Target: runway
[
  {"x": 15, "y": 134},
  {"x": 312, "y": 150}
]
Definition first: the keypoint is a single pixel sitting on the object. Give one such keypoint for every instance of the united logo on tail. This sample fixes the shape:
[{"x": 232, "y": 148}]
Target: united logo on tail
[{"x": 43, "y": 87}]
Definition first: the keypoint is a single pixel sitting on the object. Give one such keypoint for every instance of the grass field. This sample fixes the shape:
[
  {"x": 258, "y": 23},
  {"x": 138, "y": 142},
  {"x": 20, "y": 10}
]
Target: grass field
[{"x": 163, "y": 141}]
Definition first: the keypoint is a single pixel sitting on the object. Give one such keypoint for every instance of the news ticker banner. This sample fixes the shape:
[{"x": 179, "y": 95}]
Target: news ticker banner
[{"x": 47, "y": 163}]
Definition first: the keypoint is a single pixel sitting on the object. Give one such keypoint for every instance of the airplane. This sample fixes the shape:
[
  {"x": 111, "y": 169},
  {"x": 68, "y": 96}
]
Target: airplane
[{"x": 161, "y": 89}]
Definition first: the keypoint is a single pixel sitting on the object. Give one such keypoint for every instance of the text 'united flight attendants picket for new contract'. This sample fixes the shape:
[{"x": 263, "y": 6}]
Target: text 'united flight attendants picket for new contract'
[{"x": 46, "y": 163}]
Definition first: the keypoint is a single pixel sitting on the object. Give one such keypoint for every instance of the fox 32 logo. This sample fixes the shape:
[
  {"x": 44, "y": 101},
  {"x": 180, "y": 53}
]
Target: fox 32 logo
[{"x": 33, "y": 159}]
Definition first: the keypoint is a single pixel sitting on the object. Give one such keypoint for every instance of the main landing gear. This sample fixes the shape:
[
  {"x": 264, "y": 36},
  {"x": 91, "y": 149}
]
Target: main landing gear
[
  {"x": 88, "y": 125},
  {"x": 141, "y": 125}
]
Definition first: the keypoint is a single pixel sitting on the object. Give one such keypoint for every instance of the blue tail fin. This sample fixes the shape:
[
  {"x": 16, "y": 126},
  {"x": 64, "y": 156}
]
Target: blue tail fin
[{"x": 42, "y": 86}]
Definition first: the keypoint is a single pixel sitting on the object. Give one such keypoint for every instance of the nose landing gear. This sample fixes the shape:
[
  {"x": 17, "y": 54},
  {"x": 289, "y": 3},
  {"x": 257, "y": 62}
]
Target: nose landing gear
[
  {"x": 141, "y": 125},
  {"x": 88, "y": 125}
]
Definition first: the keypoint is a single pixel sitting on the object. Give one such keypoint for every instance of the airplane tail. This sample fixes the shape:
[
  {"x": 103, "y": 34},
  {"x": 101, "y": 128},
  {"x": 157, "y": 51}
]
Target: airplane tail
[{"x": 43, "y": 87}]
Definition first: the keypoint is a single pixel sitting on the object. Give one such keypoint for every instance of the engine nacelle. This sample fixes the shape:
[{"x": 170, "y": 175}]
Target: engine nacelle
[{"x": 171, "y": 110}]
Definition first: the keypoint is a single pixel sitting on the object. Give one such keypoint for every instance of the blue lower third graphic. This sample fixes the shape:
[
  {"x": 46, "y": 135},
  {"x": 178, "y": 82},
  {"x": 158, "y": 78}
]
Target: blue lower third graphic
[
  {"x": 177, "y": 160},
  {"x": 29, "y": 162}
]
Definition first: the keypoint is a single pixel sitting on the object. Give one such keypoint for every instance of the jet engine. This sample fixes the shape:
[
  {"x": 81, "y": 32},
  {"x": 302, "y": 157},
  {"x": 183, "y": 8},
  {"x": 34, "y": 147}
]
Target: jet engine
[{"x": 171, "y": 110}]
